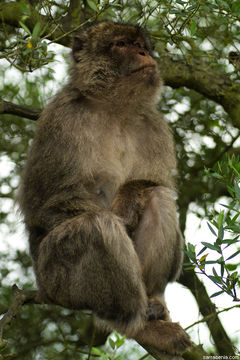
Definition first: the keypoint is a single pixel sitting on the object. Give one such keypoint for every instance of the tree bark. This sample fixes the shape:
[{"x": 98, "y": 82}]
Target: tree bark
[
  {"x": 28, "y": 112},
  {"x": 200, "y": 77},
  {"x": 23, "y": 297}
]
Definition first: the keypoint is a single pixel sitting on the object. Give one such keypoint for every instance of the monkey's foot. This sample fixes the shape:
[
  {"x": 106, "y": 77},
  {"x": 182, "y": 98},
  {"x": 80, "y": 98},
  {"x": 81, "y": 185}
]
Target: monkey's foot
[
  {"x": 156, "y": 310},
  {"x": 164, "y": 335}
]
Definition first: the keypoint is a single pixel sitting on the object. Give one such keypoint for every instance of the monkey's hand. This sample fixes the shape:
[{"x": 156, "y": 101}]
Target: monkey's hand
[{"x": 130, "y": 201}]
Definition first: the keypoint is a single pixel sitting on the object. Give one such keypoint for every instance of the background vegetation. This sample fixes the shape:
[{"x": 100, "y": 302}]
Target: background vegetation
[{"x": 198, "y": 50}]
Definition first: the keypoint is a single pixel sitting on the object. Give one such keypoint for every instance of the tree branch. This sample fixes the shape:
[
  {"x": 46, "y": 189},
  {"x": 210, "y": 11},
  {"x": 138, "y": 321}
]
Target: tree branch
[
  {"x": 209, "y": 312},
  {"x": 202, "y": 78},
  {"x": 22, "y": 297},
  {"x": 7, "y": 107},
  {"x": 211, "y": 316}
]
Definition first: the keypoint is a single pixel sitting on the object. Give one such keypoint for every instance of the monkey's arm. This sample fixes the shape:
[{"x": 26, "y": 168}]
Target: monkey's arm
[{"x": 130, "y": 202}]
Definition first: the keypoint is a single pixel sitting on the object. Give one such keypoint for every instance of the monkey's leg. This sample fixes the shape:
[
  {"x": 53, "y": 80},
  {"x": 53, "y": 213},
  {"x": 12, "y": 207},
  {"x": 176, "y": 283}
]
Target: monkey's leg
[
  {"x": 89, "y": 262},
  {"x": 149, "y": 214},
  {"x": 158, "y": 244},
  {"x": 158, "y": 241}
]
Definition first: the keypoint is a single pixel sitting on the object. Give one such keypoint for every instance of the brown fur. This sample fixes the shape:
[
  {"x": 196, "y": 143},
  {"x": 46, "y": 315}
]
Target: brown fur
[{"x": 97, "y": 190}]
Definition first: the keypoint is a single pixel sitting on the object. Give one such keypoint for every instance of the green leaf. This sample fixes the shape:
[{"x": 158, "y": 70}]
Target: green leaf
[
  {"x": 217, "y": 293},
  {"x": 92, "y": 5},
  {"x": 230, "y": 190},
  {"x": 25, "y": 28},
  {"x": 235, "y": 275},
  {"x": 222, "y": 269},
  {"x": 235, "y": 228},
  {"x": 201, "y": 251},
  {"x": 119, "y": 357},
  {"x": 236, "y": 8},
  {"x": 223, "y": 4},
  {"x": 234, "y": 169},
  {"x": 96, "y": 351},
  {"x": 231, "y": 267},
  {"x": 233, "y": 255},
  {"x": 220, "y": 218},
  {"x": 36, "y": 31},
  {"x": 215, "y": 279},
  {"x": 212, "y": 6},
  {"x": 192, "y": 7},
  {"x": 215, "y": 273},
  {"x": 234, "y": 219},
  {"x": 25, "y": 8},
  {"x": 120, "y": 342},
  {"x": 237, "y": 190},
  {"x": 193, "y": 27},
  {"x": 210, "y": 246},
  {"x": 44, "y": 30},
  {"x": 105, "y": 357},
  {"x": 190, "y": 268},
  {"x": 191, "y": 251},
  {"x": 207, "y": 262},
  {"x": 112, "y": 343},
  {"x": 176, "y": 12},
  {"x": 230, "y": 241},
  {"x": 212, "y": 230},
  {"x": 217, "y": 176},
  {"x": 220, "y": 235}
]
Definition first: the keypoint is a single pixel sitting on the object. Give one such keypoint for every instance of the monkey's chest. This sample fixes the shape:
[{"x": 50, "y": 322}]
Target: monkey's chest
[
  {"x": 121, "y": 157},
  {"x": 124, "y": 155}
]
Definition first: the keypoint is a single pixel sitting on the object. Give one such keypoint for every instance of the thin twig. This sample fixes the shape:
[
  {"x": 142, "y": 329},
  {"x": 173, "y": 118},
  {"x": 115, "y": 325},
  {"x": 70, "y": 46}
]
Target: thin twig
[
  {"x": 20, "y": 297},
  {"x": 206, "y": 318}
]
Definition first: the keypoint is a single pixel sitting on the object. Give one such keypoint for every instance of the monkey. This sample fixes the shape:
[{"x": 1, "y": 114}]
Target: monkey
[
  {"x": 234, "y": 58},
  {"x": 97, "y": 189}
]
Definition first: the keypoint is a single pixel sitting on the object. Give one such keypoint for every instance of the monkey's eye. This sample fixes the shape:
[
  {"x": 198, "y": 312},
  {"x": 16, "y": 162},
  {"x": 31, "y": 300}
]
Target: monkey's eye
[
  {"x": 137, "y": 44},
  {"x": 120, "y": 43}
]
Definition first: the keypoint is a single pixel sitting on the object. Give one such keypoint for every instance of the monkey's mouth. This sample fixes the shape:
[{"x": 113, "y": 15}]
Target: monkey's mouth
[{"x": 144, "y": 67}]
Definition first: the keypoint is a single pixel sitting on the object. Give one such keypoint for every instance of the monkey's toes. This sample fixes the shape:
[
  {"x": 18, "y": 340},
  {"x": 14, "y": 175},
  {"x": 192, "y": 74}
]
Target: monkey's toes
[
  {"x": 164, "y": 335},
  {"x": 181, "y": 342}
]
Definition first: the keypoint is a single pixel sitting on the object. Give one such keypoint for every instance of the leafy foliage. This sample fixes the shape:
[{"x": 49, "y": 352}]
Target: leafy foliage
[{"x": 223, "y": 222}]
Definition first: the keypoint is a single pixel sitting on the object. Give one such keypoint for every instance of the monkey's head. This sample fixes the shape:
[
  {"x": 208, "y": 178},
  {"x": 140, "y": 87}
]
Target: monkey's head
[{"x": 114, "y": 62}]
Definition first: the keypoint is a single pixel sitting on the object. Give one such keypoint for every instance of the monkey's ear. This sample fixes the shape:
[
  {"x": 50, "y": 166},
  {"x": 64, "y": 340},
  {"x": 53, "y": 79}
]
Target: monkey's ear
[{"x": 77, "y": 46}]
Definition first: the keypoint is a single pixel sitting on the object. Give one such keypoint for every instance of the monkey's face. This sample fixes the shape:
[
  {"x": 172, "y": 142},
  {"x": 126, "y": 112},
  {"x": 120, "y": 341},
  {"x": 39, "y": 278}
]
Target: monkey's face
[
  {"x": 114, "y": 60},
  {"x": 132, "y": 58}
]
